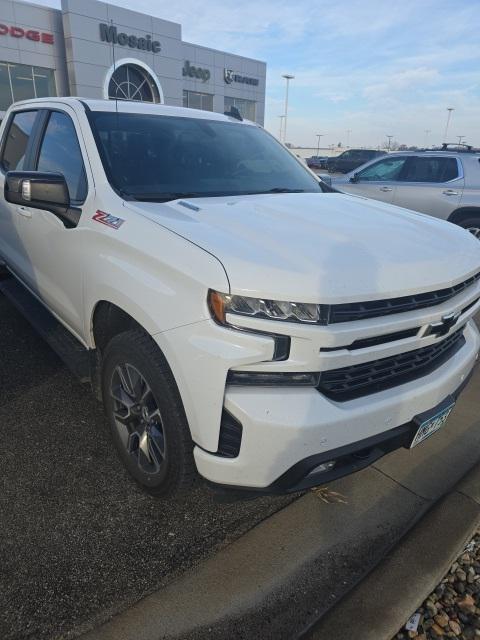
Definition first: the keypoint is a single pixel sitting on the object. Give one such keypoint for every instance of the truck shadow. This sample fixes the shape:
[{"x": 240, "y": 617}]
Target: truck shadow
[
  {"x": 26, "y": 360},
  {"x": 78, "y": 539}
]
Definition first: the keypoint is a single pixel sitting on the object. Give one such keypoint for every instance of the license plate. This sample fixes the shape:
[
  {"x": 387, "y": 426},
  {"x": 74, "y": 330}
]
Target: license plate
[{"x": 431, "y": 425}]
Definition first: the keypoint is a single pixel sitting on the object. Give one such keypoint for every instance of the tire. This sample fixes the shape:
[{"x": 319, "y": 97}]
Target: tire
[
  {"x": 146, "y": 416},
  {"x": 471, "y": 224}
]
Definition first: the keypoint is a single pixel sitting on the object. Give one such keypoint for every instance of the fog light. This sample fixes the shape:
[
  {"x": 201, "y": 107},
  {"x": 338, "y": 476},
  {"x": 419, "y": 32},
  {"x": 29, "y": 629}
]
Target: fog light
[
  {"x": 273, "y": 379},
  {"x": 325, "y": 466}
]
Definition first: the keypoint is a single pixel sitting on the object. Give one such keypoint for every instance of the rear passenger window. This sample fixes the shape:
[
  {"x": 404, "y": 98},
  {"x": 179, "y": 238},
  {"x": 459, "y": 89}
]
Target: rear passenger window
[
  {"x": 429, "y": 169},
  {"x": 13, "y": 158},
  {"x": 60, "y": 153}
]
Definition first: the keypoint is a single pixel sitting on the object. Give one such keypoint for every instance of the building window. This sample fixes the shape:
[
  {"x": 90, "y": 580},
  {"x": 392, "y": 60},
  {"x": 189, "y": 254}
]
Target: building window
[
  {"x": 22, "y": 82},
  {"x": 132, "y": 82},
  {"x": 196, "y": 100},
  {"x": 246, "y": 107}
]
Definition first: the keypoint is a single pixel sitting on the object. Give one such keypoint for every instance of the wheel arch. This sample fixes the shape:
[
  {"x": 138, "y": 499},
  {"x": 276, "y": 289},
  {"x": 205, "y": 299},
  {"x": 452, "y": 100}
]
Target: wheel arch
[
  {"x": 108, "y": 320},
  {"x": 462, "y": 213}
]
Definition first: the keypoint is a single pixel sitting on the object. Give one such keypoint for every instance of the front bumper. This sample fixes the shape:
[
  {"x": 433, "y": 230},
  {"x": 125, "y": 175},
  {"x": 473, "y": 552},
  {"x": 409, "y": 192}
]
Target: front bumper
[
  {"x": 348, "y": 459},
  {"x": 288, "y": 432}
]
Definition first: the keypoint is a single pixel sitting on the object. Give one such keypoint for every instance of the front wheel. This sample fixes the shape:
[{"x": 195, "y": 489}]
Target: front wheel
[
  {"x": 145, "y": 414},
  {"x": 472, "y": 225}
]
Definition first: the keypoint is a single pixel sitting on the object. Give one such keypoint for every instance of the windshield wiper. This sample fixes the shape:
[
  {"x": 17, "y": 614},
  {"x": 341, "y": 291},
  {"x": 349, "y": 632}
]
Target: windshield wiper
[
  {"x": 177, "y": 195},
  {"x": 282, "y": 190},
  {"x": 163, "y": 197}
]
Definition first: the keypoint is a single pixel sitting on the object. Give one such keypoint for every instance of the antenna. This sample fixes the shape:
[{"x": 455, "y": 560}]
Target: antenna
[
  {"x": 114, "y": 70},
  {"x": 234, "y": 113}
]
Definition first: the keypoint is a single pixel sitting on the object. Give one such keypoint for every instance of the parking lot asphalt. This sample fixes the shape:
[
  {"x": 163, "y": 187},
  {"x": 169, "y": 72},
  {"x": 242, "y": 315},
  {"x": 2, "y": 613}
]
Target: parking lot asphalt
[{"x": 78, "y": 540}]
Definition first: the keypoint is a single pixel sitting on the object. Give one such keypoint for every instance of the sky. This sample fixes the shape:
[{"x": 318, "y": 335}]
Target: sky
[{"x": 374, "y": 67}]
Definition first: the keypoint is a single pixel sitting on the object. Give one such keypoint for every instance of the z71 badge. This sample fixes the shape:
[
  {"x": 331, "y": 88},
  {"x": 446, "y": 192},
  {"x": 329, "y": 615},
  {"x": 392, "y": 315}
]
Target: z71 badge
[{"x": 108, "y": 219}]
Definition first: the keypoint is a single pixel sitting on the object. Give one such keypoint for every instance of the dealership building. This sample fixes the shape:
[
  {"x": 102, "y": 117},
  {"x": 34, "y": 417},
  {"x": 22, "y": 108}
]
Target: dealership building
[{"x": 98, "y": 50}]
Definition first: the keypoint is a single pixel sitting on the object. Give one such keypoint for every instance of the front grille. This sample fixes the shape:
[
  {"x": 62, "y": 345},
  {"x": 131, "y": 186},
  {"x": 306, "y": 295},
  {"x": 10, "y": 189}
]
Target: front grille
[
  {"x": 363, "y": 343},
  {"x": 375, "y": 308},
  {"x": 370, "y": 377}
]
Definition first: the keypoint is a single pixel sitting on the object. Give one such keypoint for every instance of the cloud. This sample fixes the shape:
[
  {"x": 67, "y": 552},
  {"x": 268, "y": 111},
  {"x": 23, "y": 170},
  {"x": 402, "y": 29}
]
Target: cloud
[
  {"x": 358, "y": 64},
  {"x": 402, "y": 81}
]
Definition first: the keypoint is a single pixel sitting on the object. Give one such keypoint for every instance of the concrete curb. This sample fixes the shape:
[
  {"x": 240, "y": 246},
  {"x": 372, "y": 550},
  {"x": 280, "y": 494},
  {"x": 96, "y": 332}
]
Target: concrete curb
[
  {"x": 383, "y": 602},
  {"x": 227, "y": 595},
  {"x": 301, "y": 562}
]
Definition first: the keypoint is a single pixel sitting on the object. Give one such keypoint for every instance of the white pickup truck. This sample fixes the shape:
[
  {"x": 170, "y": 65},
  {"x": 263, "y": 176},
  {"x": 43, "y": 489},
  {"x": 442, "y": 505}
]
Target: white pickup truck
[{"x": 236, "y": 316}]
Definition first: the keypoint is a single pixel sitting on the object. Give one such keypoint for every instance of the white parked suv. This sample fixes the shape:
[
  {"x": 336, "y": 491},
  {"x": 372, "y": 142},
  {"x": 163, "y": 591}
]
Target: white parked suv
[
  {"x": 236, "y": 316},
  {"x": 444, "y": 183}
]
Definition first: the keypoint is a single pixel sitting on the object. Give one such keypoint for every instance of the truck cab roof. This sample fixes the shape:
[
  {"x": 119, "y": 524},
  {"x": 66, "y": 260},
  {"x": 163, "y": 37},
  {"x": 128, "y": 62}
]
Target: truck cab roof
[{"x": 127, "y": 106}]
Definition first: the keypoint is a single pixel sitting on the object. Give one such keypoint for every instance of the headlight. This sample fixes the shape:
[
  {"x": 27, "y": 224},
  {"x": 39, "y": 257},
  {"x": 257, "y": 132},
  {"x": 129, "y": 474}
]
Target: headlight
[{"x": 223, "y": 303}]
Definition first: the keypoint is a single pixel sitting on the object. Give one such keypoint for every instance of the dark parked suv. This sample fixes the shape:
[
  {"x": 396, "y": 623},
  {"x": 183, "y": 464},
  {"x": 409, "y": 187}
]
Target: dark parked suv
[
  {"x": 317, "y": 162},
  {"x": 351, "y": 159}
]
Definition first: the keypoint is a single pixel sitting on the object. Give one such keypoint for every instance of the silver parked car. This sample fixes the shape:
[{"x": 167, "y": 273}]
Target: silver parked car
[{"x": 444, "y": 183}]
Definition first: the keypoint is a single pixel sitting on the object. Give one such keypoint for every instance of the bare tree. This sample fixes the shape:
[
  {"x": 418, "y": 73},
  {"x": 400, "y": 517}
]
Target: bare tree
[{"x": 393, "y": 146}]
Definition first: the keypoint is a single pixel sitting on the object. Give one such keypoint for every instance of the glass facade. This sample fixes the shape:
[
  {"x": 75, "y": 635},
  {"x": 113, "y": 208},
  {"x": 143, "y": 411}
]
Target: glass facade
[
  {"x": 197, "y": 100},
  {"x": 21, "y": 82},
  {"x": 246, "y": 107}
]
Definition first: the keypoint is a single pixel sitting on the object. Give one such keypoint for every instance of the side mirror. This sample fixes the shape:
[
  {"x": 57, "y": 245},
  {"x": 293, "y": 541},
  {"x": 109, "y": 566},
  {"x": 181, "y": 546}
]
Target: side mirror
[
  {"x": 38, "y": 190},
  {"x": 355, "y": 178}
]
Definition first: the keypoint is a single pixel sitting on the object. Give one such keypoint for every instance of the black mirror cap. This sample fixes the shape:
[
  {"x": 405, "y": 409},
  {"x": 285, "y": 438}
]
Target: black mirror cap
[
  {"x": 38, "y": 190},
  {"x": 354, "y": 178}
]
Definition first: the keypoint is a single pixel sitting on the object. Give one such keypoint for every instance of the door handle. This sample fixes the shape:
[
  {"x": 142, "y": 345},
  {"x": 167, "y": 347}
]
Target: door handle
[
  {"x": 24, "y": 211},
  {"x": 450, "y": 192},
  {"x": 386, "y": 189}
]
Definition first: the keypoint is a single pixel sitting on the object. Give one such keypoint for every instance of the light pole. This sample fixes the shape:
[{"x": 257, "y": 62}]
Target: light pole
[
  {"x": 319, "y": 135},
  {"x": 349, "y": 131},
  {"x": 281, "y": 127},
  {"x": 427, "y": 132},
  {"x": 449, "y": 115},
  {"x": 287, "y": 77},
  {"x": 389, "y": 141},
  {"x": 460, "y": 139}
]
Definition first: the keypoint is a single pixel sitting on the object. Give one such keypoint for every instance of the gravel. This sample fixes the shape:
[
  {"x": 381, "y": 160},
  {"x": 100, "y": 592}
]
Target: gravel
[
  {"x": 78, "y": 540},
  {"x": 453, "y": 609}
]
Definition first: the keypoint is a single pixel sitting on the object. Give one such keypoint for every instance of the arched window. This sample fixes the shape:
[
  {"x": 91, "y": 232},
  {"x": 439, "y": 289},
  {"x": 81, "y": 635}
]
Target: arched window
[{"x": 132, "y": 82}]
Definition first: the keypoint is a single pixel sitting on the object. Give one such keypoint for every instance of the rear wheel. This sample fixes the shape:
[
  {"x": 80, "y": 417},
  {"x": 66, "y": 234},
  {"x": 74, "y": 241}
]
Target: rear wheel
[
  {"x": 146, "y": 416},
  {"x": 472, "y": 225}
]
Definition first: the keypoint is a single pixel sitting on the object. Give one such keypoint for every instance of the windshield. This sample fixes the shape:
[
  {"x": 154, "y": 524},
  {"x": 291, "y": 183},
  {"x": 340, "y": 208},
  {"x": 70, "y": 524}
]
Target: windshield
[{"x": 153, "y": 157}]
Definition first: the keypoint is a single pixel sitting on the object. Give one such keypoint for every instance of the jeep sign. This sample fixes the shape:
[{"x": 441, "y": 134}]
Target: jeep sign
[
  {"x": 108, "y": 33},
  {"x": 195, "y": 72}
]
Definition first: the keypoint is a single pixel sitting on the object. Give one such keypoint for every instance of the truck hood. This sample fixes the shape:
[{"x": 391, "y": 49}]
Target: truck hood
[{"x": 321, "y": 247}]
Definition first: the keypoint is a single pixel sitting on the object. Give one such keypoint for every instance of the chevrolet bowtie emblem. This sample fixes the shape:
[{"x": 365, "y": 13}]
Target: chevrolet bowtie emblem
[{"x": 441, "y": 328}]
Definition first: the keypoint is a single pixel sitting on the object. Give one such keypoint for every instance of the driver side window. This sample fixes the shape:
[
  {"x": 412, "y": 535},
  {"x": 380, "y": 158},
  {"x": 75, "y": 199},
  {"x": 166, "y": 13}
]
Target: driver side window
[
  {"x": 385, "y": 170},
  {"x": 60, "y": 153}
]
